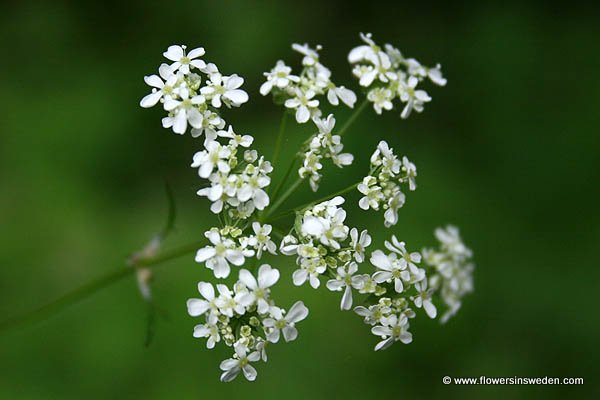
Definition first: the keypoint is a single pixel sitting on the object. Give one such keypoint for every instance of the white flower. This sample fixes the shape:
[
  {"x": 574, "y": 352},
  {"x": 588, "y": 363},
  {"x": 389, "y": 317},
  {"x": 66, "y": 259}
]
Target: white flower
[
  {"x": 311, "y": 56},
  {"x": 225, "y": 89},
  {"x": 160, "y": 89},
  {"x": 345, "y": 279},
  {"x": 451, "y": 240},
  {"x": 211, "y": 123},
  {"x": 303, "y": 103},
  {"x": 210, "y": 331},
  {"x": 182, "y": 61},
  {"x": 391, "y": 269},
  {"x": 311, "y": 269},
  {"x": 252, "y": 188},
  {"x": 372, "y": 193},
  {"x": 385, "y": 157},
  {"x": 414, "y": 99},
  {"x": 218, "y": 256},
  {"x": 334, "y": 94},
  {"x": 411, "y": 172},
  {"x": 228, "y": 302},
  {"x": 280, "y": 77},
  {"x": 394, "y": 203},
  {"x": 261, "y": 240},
  {"x": 184, "y": 111},
  {"x": 240, "y": 362},
  {"x": 258, "y": 290},
  {"x": 375, "y": 314},
  {"x": 435, "y": 75},
  {"x": 289, "y": 245},
  {"x": 359, "y": 244},
  {"x": 381, "y": 99},
  {"x": 423, "y": 298},
  {"x": 408, "y": 259},
  {"x": 198, "y": 307},
  {"x": 396, "y": 329},
  {"x": 215, "y": 155},
  {"x": 278, "y": 323}
]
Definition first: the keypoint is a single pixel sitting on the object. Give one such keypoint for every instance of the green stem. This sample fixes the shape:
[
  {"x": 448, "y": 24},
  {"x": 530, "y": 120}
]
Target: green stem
[
  {"x": 96, "y": 285},
  {"x": 353, "y": 117},
  {"x": 322, "y": 199},
  {"x": 279, "y": 138},
  {"x": 284, "y": 197},
  {"x": 284, "y": 179}
]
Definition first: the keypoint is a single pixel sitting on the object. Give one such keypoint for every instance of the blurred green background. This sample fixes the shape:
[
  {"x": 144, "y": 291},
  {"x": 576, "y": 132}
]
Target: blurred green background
[{"x": 508, "y": 151}]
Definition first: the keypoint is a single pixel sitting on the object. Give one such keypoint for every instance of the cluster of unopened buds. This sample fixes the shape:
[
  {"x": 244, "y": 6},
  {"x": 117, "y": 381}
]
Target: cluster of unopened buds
[{"x": 382, "y": 285}]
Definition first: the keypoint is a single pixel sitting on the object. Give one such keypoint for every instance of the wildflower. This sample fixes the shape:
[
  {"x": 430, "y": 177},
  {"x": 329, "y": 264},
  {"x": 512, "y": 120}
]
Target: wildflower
[
  {"x": 310, "y": 269},
  {"x": 258, "y": 290},
  {"x": 304, "y": 104},
  {"x": 183, "y": 61},
  {"x": 261, "y": 240},
  {"x": 423, "y": 298},
  {"x": 389, "y": 76},
  {"x": 345, "y": 279},
  {"x": 240, "y": 362},
  {"x": 218, "y": 256},
  {"x": 215, "y": 155},
  {"x": 414, "y": 99},
  {"x": 280, "y": 76},
  {"x": 209, "y": 331},
  {"x": 411, "y": 172},
  {"x": 225, "y": 89},
  {"x": 390, "y": 270},
  {"x": 359, "y": 243},
  {"x": 280, "y": 323},
  {"x": 184, "y": 111},
  {"x": 395, "y": 329},
  {"x": 229, "y": 302},
  {"x": 162, "y": 86},
  {"x": 198, "y": 307}
]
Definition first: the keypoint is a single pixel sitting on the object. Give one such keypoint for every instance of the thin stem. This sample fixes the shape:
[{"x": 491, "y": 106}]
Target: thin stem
[
  {"x": 106, "y": 280},
  {"x": 284, "y": 179},
  {"x": 353, "y": 117},
  {"x": 279, "y": 138},
  {"x": 284, "y": 196},
  {"x": 306, "y": 205},
  {"x": 94, "y": 286}
]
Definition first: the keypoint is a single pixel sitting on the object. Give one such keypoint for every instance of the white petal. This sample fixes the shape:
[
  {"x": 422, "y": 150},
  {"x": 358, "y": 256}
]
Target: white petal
[
  {"x": 248, "y": 279},
  {"x": 297, "y": 313},
  {"x": 151, "y": 99},
  {"x": 236, "y": 96},
  {"x": 346, "y": 303},
  {"x": 290, "y": 333},
  {"x": 180, "y": 123},
  {"x": 430, "y": 308},
  {"x": 267, "y": 276},
  {"x": 205, "y": 253},
  {"x": 302, "y": 114},
  {"x": 196, "y": 307},
  {"x": 206, "y": 290}
]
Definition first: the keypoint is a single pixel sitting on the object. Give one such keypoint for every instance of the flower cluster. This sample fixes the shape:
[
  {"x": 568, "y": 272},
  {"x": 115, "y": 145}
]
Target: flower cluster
[
  {"x": 228, "y": 246},
  {"x": 236, "y": 180},
  {"x": 325, "y": 246},
  {"x": 190, "y": 99},
  {"x": 387, "y": 75},
  {"x": 322, "y": 145},
  {"x": 299, "y": 92},
  {"x": 381, "y": 188},
  {"x": 453, "y": 275},
  {"x": 245, "y": 318},
  {"x": 383, "y": 286}
]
